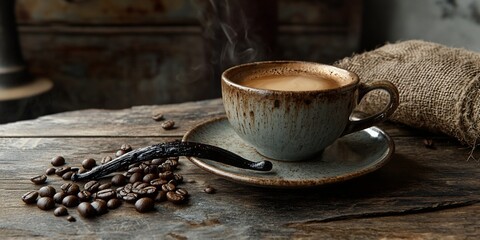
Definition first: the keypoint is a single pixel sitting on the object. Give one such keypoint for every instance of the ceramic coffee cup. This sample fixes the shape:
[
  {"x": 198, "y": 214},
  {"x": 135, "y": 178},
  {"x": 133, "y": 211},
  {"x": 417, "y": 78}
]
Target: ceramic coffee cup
[{"x": 279, "y": 109}]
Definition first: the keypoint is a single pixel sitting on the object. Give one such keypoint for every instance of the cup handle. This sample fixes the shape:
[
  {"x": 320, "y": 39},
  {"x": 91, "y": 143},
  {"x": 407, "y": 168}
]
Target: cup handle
[{"x": 363, "y": 89}]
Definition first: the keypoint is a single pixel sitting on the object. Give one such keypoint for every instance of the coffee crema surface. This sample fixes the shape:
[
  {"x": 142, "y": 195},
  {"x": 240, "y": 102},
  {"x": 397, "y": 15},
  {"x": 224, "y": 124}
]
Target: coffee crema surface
[{"x": 291, "y": 83}]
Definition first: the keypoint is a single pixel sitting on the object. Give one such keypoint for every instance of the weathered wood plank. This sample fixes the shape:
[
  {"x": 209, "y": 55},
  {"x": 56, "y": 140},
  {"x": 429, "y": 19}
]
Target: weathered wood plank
[
  {"x": 137, "y": 121},
  {"x": 326, "y": 12},
  {"x": 106, "y": 12},
  {"x": 306, "y": 27},
  {"x": 458, "y": 223},
  {"x": 169, "y": 12},
  {"x": 417, "y": 179},
  {"x": 119, "y": 70}
]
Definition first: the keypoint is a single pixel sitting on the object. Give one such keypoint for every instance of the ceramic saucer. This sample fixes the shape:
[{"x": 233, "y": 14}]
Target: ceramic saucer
[{"x": 350, "y": 156}]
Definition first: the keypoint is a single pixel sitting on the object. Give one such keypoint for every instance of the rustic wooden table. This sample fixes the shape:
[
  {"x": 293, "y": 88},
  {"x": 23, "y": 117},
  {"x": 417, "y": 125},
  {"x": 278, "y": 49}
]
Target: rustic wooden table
[{"x": 421, "y": 193}]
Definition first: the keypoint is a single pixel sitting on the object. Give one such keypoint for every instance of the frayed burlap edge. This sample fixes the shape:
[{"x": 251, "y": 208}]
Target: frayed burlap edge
[{"x": 458, "y": 73}]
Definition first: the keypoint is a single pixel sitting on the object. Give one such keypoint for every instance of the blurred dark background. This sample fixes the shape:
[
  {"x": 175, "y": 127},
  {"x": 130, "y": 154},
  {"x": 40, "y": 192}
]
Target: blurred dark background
[{"x": 119, "y": 53}]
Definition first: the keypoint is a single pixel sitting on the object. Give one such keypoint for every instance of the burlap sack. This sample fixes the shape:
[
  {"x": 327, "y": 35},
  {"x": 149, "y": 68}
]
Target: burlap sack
[{"x": 439, "y": 86}]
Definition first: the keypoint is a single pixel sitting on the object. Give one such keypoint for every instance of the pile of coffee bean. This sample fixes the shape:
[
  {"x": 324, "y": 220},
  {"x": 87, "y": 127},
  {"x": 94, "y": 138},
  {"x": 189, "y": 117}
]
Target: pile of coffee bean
[{"x": 142, "y": 184}]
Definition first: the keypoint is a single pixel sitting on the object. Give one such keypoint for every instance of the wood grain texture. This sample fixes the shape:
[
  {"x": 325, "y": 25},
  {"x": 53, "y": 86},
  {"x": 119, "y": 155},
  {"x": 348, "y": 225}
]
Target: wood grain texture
[
  {"x": 106, "y": 12},
  {"x": 457, "y": 223},
  {"x": 120, "y": 69},
  {"x": 127, "y": 12},
  {"x": 421, "y": 193},
  {"x": 137, "y": 121}
]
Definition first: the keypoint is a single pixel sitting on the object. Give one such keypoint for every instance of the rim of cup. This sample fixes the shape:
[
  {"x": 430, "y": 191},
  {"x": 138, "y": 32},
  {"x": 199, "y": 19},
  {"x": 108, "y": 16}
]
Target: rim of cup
[{"x": 351, "y": 78}]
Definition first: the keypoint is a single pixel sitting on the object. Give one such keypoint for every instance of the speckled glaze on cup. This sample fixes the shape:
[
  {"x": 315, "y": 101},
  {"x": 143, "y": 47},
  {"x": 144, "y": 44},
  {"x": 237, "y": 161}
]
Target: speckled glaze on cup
[{"x": 296, "y": 125}]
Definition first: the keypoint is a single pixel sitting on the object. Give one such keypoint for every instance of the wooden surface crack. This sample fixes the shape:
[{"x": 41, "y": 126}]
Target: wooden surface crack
[{"x": 424, "y": 209}]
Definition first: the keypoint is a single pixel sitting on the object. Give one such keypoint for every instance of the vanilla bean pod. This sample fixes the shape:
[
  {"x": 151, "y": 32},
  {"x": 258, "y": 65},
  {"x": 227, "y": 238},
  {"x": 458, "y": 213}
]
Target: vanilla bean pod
[{"x": 174, "y": 149}]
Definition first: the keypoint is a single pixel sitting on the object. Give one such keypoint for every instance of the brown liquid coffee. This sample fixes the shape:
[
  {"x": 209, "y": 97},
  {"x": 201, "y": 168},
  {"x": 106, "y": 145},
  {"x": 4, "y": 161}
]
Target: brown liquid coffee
[{"x": 291, "y": 83}]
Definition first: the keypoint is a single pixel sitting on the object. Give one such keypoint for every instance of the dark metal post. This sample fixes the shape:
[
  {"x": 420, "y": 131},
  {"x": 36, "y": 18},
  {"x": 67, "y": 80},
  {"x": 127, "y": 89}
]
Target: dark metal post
[
  {"x": 17, "y": 87},
  {"x": 12, "y": 66}
]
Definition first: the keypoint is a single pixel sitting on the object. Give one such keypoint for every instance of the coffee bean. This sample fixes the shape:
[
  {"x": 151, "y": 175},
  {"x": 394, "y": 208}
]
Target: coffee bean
[
  {"x": 158, "y": 161},
  {"x": 168, "y": 125},
  {"x": 40, "y": 179},
  {"x": 89, "y": 163},
  {"x": 146, "y": 170},
  {"x": 45, "y": 203},
  {"x": 60, "y": 211},
  {"x": 175, "y": 197},
  {"x": 136, "y": 177},
  {"x": 71, "y": 219},
  {"x": 126, "y": 147},
  {"x": 82, "y": 170},
  {"x": 128, "y": 187},
  {"x": 91, "y": 186},
  {"x": 106, "y": 194},
  {"x": 165, "y": 167},
  {"x": 157, "y": 117},
  {"x": 167, "y": 175},
  {"x": 121, "y": 193},
  {"x": 172, "y": 162},
  {"x": 161, "y": 196},
  {"x": 173, "y": 182},
  {"x": 149, "y": 177},
  {"x": 120, "y": 152},
  {"x": 104, "y": 186},
  {"x": 62, "y": 170},
  {"x": 50, "y": 171},
  {"x": 150, "y": 191},
  {"x": 119, "y": 189},
  {"x": 139, "y": 185},
  {"x": 130, "y": 197},
  {"x": 122, "y": 188},
  {"x": 59, "y": 196},
  {"x": 30, "y": 197},
  {"x": 135, "y": 184},
  {"x": 70, "y": 188},
  {"x": 114, "y": 203},
  {"x": 182, "y": 191},
  {"x": 58, "y": 161},
  {"x": 141, "y": 192},
  {"x": 84, "y": 196},
  {"x": 47, "y": 191},
  {"x": 67, "y": 176},
  {"x": 86, "y": 210},
  {"x": 178, "y": 177},
  {"x": 209, "y": 190},
  {"x": 100, "y": 206},
  {"x": 106, "y": 159},
  {"x": 70, "y": 201},
  {"x": 119, "y": 180},
  {"x": 152, "y": 169},
  {"x": 168, "y": 187},
  {"x": 144, "y": 205},
  {"x": 134, "y": 165},
  {"x": 158, "y": 182},
  {"x": 173, "y": 158},
  {"x": 134, "y": 170},
  {"x": 143, "y": 165}
]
